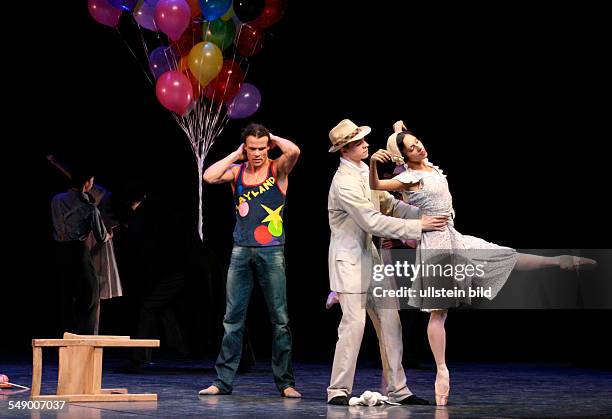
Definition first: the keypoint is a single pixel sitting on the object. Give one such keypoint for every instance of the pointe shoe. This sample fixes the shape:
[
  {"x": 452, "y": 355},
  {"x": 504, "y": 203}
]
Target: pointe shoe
[
  {"x": 291, "y": 393},
  {"x": 442, "y": 389},
  {"x": 575, "y": 263},
  {"x": 332, "y": 299},
  {"x": 210, "y": 391}
]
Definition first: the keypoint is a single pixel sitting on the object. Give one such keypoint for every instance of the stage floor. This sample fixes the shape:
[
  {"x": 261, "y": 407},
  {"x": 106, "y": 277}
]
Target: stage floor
[{"x": 478, "y": 390}]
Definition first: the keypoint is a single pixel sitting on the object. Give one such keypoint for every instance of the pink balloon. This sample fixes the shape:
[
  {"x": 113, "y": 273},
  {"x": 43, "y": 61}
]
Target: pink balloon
[
  {"x": 103, "y": 12},
  {"x": 174, "y": 91},
  {"x": 172, "y": 17}
]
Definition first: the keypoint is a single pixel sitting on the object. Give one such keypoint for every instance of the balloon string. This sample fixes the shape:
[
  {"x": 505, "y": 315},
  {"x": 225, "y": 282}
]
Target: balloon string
[
  {"x": 204, "y": 123},
  {"x": 214, "y": 133},
  {"x": 142, "y": 40},
  {"x": 146, "y": 73}
]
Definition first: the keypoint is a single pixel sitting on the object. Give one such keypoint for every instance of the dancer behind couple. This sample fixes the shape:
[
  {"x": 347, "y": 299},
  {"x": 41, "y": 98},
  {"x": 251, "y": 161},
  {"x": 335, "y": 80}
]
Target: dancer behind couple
[
  {"x": 355, "y": 214},
  {"x": 424, "y": 185}
]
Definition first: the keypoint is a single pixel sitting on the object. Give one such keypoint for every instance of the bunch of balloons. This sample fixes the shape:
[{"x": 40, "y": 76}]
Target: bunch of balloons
[
  {"x": 198, "y": 62},
  {"x": 191, "y": 65}
]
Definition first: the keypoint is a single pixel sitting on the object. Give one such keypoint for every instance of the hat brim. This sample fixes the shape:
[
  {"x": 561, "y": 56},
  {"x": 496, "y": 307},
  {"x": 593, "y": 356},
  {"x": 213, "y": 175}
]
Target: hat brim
[{"x": 364, "y": 130}]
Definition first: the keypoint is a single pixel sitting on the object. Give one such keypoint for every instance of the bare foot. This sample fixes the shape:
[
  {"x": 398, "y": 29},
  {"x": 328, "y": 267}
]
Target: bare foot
[
  {"x": 210, "y": 391},
  {"x": 575, "y": 263},
  {"x": 291, "y": 393},
  {"x": 332, "y": 299}
]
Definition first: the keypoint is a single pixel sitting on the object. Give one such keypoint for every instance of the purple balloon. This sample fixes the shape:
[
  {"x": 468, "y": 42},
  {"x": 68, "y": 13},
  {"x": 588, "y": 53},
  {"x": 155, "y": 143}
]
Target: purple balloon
[
  {"x": 103, "y": 12},
  {"x": 245, "y": 103},
  {"x": 163, "y": 59},
  {"x": 123, "y": 4},
  {"x": 144, "y": 14}
]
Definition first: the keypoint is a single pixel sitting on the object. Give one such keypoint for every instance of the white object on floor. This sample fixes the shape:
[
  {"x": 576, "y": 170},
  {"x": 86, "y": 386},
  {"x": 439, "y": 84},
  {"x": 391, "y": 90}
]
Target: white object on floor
[{"x": 370, "y": 398}]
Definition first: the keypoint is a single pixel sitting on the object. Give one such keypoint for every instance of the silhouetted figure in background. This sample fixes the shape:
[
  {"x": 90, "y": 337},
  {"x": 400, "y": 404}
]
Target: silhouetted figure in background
[
  {"x": 159, "y": 252},
  {"x": 74, "y": 218},
  {"x": 102, "y": 254}
]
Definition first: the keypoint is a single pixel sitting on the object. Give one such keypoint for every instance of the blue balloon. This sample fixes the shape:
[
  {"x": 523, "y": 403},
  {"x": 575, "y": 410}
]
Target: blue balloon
[
  {"x": 214, "y": 9},
  {"x": 163, "y": 59},
  {"x": 123, "y": 4}
]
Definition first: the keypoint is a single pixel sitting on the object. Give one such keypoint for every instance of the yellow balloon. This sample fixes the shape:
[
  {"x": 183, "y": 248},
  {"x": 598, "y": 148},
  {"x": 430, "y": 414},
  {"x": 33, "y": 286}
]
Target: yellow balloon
[{"x": 205, "y": 61}]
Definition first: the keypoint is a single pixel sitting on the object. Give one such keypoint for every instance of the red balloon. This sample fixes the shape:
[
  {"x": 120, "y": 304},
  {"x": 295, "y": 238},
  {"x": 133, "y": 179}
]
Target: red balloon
[
  {"x": 191, "y": 37},
  {"x": 227, "y": 83},
  {"x": 249, "y": 40},
  {"x": 103, "y": 12},
  {"x": 271, "y": 14},
  {"x": 174, "y": 91},
  {"x": 194, "y": 5}
]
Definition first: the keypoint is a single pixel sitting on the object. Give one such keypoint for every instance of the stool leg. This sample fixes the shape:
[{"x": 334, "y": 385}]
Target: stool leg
[
  {"x": 96, "y": 373},
  {"x": 36, "y": 371}
]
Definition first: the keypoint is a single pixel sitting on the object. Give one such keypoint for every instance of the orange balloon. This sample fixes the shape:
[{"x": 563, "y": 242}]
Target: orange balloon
[{"x": 183, "y": 67}]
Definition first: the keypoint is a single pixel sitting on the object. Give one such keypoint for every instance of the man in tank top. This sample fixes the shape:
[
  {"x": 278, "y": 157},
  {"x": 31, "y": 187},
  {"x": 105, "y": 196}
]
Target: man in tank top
[{"x": 259, "y": 186}]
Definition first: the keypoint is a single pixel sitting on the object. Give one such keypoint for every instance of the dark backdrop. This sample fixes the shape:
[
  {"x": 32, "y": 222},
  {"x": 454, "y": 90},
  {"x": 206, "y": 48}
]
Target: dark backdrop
[{"x": 510, "y": 101}]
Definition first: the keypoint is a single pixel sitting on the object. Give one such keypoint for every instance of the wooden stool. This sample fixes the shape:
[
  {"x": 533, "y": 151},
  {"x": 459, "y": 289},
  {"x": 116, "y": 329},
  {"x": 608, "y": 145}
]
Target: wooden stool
[{"x": 80, "y": 368}]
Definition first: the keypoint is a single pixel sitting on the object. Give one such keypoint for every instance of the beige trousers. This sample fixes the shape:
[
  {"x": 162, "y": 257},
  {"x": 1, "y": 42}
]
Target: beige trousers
[{"x": 350, "y": 333}]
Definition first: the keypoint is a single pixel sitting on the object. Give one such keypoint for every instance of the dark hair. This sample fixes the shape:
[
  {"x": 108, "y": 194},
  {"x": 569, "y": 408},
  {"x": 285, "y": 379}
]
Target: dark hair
[
  {"x": 350, "y": 144},
  {"x": 256, "y": 130},
  {"x": 80, "y": 176},
  {"x": 399, "y": 140}
]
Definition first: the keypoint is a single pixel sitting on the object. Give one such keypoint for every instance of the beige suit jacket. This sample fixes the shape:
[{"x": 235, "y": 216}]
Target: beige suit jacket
[{"x": 355, "y": 214}]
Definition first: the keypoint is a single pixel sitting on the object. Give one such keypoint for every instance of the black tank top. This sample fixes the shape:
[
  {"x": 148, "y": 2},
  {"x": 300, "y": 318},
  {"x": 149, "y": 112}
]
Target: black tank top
[{"x": 259, "y": 211}]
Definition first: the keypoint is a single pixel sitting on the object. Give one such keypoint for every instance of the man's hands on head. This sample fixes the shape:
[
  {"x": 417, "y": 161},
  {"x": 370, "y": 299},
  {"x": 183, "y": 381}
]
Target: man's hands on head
[{"x": 239, "y": 153}]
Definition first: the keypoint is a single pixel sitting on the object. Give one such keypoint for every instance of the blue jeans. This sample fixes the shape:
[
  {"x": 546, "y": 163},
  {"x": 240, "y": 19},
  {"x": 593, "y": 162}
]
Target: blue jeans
[{"x": 267, "y": 264}]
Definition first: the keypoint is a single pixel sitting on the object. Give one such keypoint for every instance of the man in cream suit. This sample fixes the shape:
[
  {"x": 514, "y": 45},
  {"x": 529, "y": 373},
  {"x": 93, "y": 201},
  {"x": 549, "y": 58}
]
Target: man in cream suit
[{"x": 355, "y": 214}]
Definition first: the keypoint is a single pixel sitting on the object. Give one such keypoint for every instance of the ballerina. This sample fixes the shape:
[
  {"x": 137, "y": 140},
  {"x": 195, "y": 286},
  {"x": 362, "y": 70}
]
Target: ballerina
[{"x": 424, "y": 185}]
